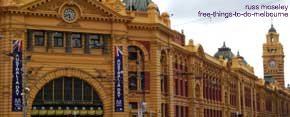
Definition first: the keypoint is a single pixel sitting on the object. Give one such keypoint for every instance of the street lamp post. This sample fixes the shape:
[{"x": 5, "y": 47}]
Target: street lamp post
[
  {"x": 26, "y": 89},
  {"x": 140, "y": 88}
]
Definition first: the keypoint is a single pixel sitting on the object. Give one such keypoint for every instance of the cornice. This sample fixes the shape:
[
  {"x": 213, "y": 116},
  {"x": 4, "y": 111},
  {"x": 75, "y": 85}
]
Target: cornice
[
  {"x": 245, "y": 72},
  {"x": 28, "y": 10},
  {"x": 151, "y": 26},
  {"x": 97, "y": 4},
  {"x": 56, "y": 15}
]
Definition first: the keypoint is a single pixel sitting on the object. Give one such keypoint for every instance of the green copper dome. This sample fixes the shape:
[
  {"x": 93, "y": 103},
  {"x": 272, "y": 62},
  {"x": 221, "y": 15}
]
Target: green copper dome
[
  {"x": 137, "y": 5},
  {"x": 224, "y": 52},
  {"x": 242, "y": 58},
  {"x": 272, "y": 29}
]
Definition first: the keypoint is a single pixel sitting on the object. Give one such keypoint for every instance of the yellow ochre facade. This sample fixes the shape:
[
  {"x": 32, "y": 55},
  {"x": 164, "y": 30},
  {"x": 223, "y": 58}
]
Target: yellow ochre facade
[{"x": 69, "y": 65}]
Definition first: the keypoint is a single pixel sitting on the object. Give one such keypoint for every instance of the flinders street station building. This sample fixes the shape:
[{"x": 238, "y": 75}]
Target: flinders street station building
[{"x": 113, "y": 58}]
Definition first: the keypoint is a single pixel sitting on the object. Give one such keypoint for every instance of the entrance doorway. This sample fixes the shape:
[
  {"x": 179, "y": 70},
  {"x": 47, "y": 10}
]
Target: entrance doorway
[{"x": 67, "y": 97}]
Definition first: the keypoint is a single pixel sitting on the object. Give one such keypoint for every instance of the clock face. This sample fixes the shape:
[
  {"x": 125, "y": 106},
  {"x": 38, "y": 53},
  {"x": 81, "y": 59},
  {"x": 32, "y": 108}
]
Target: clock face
[
  {"x": 69, "y": 14},
  {"x": 272, "y": 63}
]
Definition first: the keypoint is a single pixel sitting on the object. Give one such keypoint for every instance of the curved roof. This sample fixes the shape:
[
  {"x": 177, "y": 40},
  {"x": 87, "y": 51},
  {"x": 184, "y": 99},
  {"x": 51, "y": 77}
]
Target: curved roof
[
  {"x": 224, "y": 52},
  {"x": 137, "y": 5},
  {"x": 241, "y": 57},
  {"x": 272, "y": 29}
]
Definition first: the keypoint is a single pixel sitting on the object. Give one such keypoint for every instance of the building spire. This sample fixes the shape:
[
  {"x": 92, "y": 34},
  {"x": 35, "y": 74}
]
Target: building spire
[
  {"x": 272, "y": 29},
  {"x": 238, "y": 53},
  {"x": 224, "y": 44},
  {"x": 272, "y": 24}
]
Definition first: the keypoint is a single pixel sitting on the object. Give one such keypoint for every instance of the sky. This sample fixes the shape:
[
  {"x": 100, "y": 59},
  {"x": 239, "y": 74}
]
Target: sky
[{"x": 243, "y": 34}]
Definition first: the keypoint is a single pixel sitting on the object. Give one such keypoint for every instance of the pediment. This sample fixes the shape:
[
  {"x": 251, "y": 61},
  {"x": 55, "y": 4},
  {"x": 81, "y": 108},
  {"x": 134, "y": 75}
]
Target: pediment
[{"x": 91, "y": 8}]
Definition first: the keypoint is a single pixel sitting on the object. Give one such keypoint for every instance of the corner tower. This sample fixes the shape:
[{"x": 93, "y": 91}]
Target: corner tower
[{"x": 273, "y": 57}]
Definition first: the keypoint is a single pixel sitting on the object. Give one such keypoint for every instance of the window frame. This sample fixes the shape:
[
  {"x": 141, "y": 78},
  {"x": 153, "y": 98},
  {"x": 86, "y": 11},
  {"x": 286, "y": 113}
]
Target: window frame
[
  {"x": 132, "y": 76},
  {"x": 73, "y": 38},
  {"x": 39, "y": 35},
  {"x": 56, "y": 39},
  {"x": 96, "y": 41}
]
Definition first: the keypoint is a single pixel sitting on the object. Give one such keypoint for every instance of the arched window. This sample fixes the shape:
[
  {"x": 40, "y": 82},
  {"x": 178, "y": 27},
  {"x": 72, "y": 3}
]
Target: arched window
[
  {"x": 133, "y": 53},
  {"x": 197, "y": 91},
  {"x": 163, "y": 73},
  {"x": 67, "y": 96},
  {"x": 132, "y": 81},
  {"x": 136, "y": 71}
]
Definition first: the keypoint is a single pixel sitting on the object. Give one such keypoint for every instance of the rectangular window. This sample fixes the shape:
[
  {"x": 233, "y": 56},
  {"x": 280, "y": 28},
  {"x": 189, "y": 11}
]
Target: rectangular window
[
  {"x": 186, "y": 88},
  {"x": 176, "y": 111},
  {"x": 77, "y": 89},
  {"x": 162, "y": 110},
  {"x": 176, "y": 65},
  {"x": 58, "y": 89},
  {"x": 58, "y": 39},
  {"x": 133, "y": 105},
  {"x": 269, "y": 105},
  {"x": 181, "y": 88},
  {"x": 248, "y": 99},
  {"x": 186, "y": 111},
  {"x": 96, "y": 41},
  {"x": 38, "y": 38},
  {"x": 76, "y": 40},
  {"x": 87, "y": 93},
  {"x": 133, "y": 55},
  {"x": 68, "y": 89},
  {"x": 166, "y": 110},
  {"x": 165, "y": 84},
  {"x": 176, "y": 86},
  {"x": 48, "y": 89},
  {"x": 182, "y": 111},
  {"x": 132, "y": 80},
  {"x": 142, "y": 80}
]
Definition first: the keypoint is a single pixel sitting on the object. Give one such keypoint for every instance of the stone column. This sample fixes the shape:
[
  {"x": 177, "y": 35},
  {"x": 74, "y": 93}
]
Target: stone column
[
  {"x": 68, "y": 48},
  {"x": 170, "y": 84},
  {"x": 6, "y": 69},
  {"x": 29, "y": 42},
  {"x": 5, "y": 74},
  {"x": 155, "y": 90},
  {"x": 87, "y": 44},
  {"x": 254, "y": 101},
  {"x": 243, "y": 98},
  {"x": 239, "y": 95},
  {"x": 191, "y": 87},
  {"x": 49, "y": 40}
]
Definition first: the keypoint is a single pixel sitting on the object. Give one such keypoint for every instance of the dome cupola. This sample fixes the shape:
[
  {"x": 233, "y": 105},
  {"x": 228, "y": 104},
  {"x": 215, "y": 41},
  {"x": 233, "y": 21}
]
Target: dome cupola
[
  {"x": 224, "y": 52},
  {"x": 137, "y": 5}
]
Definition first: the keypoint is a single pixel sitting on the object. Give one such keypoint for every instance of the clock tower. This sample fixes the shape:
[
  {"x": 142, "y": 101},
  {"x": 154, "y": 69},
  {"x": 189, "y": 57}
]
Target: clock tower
[{"x": 273, "y": 57}]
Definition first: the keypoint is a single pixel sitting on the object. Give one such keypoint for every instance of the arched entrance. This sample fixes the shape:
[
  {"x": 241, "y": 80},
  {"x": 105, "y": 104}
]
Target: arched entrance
[{"x": 65, "y": 97}]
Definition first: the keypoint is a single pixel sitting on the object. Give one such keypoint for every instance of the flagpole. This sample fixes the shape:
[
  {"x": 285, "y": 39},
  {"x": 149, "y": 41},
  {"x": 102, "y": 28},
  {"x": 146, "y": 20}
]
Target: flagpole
[{"x": 26, "y": 90}]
